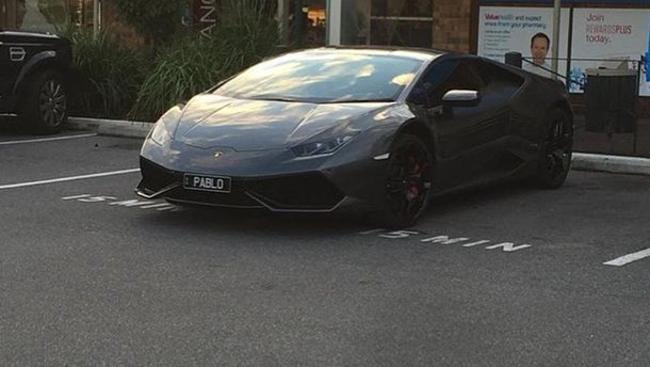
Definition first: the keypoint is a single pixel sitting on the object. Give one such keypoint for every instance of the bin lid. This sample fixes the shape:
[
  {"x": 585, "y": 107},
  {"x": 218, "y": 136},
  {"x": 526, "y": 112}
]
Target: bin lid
[{"x": 610, "y": 72}]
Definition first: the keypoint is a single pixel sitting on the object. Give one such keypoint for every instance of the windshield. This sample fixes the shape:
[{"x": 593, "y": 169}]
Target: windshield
[{"x": 321, "y": 76}]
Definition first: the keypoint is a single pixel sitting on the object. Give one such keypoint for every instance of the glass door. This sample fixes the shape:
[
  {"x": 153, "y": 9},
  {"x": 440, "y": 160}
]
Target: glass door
[
  {"x": 306, "y": 22},
  {"x": 387, "y": 22}
]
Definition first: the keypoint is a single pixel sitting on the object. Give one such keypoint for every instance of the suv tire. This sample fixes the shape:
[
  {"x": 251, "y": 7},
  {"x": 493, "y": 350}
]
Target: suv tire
[{"x": 44, "y": 103}]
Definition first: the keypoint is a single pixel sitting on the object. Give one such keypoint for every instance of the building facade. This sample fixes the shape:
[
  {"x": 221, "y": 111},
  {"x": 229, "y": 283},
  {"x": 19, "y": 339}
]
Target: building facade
[
  {"x": 445, "y": 24},
  {"x": 46, "y": 15},
  {"x": 593, "y": 33}
]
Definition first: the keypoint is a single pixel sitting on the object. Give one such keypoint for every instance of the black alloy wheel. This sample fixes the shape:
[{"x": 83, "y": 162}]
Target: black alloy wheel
[
  {"x": 556, "y": 152},
  {"x": 409, "y": 181},
  {"x": 52, "y": 103},
  {"x": 44, "y": 102}
]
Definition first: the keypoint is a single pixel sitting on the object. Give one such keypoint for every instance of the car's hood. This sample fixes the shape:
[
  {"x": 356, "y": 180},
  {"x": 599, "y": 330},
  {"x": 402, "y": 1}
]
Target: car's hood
[
  {"x": 29, "y": 38},
  {"x": 244, "y": 125}
]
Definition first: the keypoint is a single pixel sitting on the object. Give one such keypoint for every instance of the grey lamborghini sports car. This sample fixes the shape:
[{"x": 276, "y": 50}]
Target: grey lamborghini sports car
[{"x": 388, "y": 128}]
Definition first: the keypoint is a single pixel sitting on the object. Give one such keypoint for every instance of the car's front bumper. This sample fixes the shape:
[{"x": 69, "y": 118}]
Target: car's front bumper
[
  {"x": 274, "y": 180},
  {"x": 310, "y": 191}
]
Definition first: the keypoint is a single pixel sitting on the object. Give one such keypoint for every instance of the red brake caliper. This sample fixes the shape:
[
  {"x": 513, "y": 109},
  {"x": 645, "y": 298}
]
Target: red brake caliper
[{"x": 413, "y": 187}]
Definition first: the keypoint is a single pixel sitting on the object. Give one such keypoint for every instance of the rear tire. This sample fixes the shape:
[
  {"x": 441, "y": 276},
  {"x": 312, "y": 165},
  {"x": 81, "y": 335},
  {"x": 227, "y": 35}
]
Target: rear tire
[
  {"x": 44, "y": 104},
  {"x": 408, "y": 182},
  {"x": 554, "y": 160}
]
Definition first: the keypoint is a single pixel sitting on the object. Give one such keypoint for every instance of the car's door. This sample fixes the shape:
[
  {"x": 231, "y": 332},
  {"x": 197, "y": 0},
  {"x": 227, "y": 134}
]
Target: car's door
[
  {"x": 13, "y": 56},
  {"x": 500, "y": 87},
  {"x": 4, "y": 67},
  {"x": 468, "y": 136}
]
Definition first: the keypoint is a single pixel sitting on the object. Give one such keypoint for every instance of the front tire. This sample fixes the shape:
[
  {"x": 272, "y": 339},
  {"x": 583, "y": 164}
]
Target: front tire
[
  {"x": 555, "y": 154},
  {"x": 44, "y": 102},
  {"x": 408, "y": 181}
]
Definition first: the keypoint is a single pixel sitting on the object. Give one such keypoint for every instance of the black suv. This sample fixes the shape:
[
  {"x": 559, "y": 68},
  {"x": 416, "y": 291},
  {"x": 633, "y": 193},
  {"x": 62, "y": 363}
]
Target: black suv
[{"x": 33, "y": 70}]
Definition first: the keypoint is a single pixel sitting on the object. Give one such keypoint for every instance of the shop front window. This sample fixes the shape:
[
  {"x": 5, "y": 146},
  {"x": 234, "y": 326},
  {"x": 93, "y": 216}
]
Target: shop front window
[
  {"x": 387, "y": 22},
  {"x": 46, "y": 15},
  {"x": 302, "y": 22}
]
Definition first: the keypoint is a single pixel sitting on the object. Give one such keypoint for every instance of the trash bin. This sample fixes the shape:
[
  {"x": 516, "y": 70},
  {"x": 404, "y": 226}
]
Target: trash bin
[{"x": 610, "y": 98}]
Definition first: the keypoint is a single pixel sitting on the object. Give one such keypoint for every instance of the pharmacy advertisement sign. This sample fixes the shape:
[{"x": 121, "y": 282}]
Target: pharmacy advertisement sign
[
  {"x": 614, "y": 37},
  {"x": 506, "y": 29}
]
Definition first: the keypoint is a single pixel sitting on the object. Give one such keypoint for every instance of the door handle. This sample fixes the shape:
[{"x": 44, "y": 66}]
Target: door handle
[{"x": 17, "y": 54}]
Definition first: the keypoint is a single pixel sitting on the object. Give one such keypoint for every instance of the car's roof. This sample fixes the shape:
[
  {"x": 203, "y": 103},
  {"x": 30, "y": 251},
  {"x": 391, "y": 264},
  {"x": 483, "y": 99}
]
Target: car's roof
[{"x": 422, "y": 54}]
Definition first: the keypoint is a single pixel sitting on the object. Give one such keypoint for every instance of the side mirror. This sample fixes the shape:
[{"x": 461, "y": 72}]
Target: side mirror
[{"x": 461, "y": 98}]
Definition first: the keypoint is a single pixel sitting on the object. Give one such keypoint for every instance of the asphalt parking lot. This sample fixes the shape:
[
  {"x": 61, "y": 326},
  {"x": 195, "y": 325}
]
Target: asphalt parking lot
[{"x": 501, "y": 276}]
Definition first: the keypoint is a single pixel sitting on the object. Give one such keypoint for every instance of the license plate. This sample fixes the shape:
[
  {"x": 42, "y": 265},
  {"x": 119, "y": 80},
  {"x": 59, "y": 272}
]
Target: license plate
[{"x": 207, "y": 183}]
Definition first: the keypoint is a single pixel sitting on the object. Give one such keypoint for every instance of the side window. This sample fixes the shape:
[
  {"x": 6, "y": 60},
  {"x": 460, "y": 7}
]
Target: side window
[
  {"x": 465, "y": 76},
  {"x": 498, "y": 77},
  {"x": 439, "y": 73},
  {"x": 445, "y": 76}
]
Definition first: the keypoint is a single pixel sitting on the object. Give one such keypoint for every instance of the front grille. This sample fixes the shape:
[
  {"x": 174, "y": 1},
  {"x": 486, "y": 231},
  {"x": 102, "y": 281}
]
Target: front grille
[
  {"x": 155, "y": 177},
  {"x": 310, "y": 191},
  {"x": 236, "y": 198}
]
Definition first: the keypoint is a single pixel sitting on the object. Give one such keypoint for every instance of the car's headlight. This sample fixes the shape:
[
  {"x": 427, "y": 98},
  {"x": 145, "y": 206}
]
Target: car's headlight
[
  {"x": 159, "y": 134},
  {"x": 162, "y": 131},
  {"x": 323, "y": 147}
]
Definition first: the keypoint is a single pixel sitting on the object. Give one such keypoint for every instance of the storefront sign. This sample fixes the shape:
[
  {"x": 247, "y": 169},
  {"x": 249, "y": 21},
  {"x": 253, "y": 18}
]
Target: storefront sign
[
  {"x": 205, "y": 15},
  {"x": 610, "y": 35},
  {"x": 506, "y": 29},
  {"x": 568, "y": 2}
]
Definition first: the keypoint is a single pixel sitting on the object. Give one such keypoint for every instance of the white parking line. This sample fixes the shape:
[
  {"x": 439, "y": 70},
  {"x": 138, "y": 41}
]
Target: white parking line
[
  {"x": 623, "y": 260},
  {"x": 444, "y": 240},
  {"x": 113, "y": 201},
  {"x": 65, "y": 179},
  {"x": 68, "y": 137},
  {"x": 371, "y": 231},
  {"x": 160, "y": 205},
  {"x": 472, "y": 244}
]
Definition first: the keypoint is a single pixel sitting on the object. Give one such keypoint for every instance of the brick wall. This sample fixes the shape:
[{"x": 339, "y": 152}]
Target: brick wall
[
  {"x": 642, "y": 105},
  {"x": 452, "y": 24}
]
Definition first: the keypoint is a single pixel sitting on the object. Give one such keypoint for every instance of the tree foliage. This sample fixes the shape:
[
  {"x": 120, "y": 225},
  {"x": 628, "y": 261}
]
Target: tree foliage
[
  {"x": 158, "y": 21},
  {"x": 244, "y": 35},
  {"x": 107, "y": 75}
]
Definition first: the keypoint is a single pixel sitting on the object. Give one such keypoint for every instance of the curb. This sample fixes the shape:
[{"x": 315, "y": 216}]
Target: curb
[
  {"x": 610, "y": 163},
  {"x": 580, "y": 161},
  {"x": 121, "y": 128}
]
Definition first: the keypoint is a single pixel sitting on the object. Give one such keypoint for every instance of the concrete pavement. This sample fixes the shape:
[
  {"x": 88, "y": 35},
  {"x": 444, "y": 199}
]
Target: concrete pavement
[{"x": 508, "y": 275}]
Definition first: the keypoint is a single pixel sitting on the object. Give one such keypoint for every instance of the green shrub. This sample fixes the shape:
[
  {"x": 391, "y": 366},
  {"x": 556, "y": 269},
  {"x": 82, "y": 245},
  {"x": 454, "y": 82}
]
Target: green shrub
[
  {"x": 107, "y": 74},
  {"x": 158, "y": 21},
  {"x": 245, "y": 34}
]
